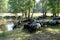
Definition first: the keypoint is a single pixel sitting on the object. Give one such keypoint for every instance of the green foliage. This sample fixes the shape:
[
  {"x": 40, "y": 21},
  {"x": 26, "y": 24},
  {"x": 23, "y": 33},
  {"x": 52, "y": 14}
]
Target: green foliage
[
  {"x": 3, "y": 5},
  {"x": 17, "y": 6},
  {"x": 14, "y": 6},
  {"x": 54, "y": 4},
  {"x": 24, "y": 6}
]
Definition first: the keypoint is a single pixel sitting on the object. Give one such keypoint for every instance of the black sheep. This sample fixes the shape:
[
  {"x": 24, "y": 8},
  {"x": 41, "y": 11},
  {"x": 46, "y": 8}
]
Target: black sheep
[
  {"x": 17, "y": 25},
  {"x": 32, "y": 27},
  {"x": 56, "y": 18},
  {"x": 53, "y": 23},
  {"x": 58, "y": 21},
  {"x": 19, "y": 17},
  {"x": 27, "y": 20},
  {"x": 44, "y": 22},
  {"x": 40, "y": 17},
  {"x": 26, "y": 26}
]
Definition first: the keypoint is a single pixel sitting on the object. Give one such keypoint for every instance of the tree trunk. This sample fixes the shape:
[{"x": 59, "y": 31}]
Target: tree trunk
[
  {"x": 25, "y": 14},
  {"x": 32, "y": 15},
  {"x": 22, "y": 15},
  {"x": 45, "y": 14},
  {"x": 29, "y": 14},
  {"x": 54, "y": 14},
  {"x": 16, "y": 16},
  {"x": 32, "y": 11},
  {"x": 15, "y": 19}
]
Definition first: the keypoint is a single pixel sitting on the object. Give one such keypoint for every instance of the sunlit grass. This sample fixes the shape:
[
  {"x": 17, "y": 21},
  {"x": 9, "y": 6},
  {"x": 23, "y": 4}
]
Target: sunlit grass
[
  {"x": 46, "y": 33},
  {"x": 53, "y": 29},
  {"x": 15, "y": 34},
  {"x": 18, "y": 34}
]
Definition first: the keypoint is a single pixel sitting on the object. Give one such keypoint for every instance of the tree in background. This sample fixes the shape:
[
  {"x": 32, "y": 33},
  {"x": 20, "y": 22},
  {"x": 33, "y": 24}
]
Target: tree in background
[
  {"x": 3, "y": 5},
  {"x": 54, "y": 4},
  {"x": 24, "y": 6},
  {"x": 49, "y": 6},
  {"x": 44, "y": 7},
  {"x": 31, "y": 5},
  {"x": 14, "y": 7}
]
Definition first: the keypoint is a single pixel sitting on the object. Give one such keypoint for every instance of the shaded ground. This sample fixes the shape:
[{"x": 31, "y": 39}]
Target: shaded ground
[{"x": 47, "y": 33}]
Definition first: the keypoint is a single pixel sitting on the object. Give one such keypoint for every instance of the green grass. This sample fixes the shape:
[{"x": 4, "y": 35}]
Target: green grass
[
  {"x": 46, "y": 33},
  {"x": 15, "y": 34},
  {"x": 54, "y": 27}
]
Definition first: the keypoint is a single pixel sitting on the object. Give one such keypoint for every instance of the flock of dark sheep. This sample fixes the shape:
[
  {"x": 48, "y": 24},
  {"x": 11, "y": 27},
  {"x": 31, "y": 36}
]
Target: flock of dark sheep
[{"x": 34, "y": 26}]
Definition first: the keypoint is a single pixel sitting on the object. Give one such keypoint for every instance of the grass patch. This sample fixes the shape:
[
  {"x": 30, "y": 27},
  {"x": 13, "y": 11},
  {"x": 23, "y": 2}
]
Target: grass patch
[
  {"x": 45, "y": 33},
  {"x": 54, "y": 27}
]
